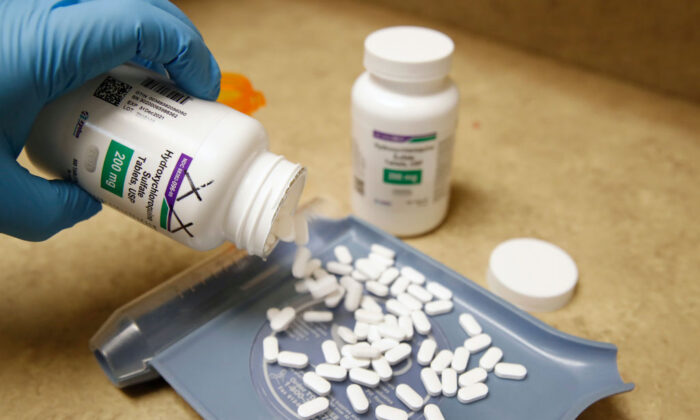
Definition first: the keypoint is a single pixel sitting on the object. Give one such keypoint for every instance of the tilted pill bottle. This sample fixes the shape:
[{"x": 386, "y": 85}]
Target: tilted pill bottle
[
  {"x": 404, "y": 116},
  {"x": 194, "y": 170}
]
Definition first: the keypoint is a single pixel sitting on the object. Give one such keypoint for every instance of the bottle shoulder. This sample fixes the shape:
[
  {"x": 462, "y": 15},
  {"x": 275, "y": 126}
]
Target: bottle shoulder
[{"x": 374, "y": 98}]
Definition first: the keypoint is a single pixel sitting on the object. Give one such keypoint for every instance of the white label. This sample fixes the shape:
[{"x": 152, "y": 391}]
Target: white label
[
  {"x": 133, "y": 145},
  {"x": 401, "y": 171}
]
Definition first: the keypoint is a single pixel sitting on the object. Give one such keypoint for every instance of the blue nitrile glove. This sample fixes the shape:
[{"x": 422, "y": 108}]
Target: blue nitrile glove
[{"x": 49, "y": 47}]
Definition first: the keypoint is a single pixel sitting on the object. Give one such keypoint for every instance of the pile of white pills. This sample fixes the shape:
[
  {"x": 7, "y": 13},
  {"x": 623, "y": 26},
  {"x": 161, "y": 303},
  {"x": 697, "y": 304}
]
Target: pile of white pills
[{"x": 382, "y": 337}]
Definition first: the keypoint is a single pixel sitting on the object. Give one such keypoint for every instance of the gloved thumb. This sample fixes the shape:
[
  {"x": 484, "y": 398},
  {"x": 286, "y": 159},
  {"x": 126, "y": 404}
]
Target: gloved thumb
[{"x": 34, "y": 209}]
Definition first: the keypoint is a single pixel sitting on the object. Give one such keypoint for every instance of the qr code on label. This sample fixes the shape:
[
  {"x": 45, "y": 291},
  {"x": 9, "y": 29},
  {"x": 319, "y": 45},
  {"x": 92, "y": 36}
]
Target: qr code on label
[{"x": 112, "y": 90}]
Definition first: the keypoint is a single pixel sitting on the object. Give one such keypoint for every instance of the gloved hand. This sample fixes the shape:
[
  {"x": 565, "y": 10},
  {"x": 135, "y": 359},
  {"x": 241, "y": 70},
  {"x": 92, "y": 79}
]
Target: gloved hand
[{"x": 48, "y": 47}]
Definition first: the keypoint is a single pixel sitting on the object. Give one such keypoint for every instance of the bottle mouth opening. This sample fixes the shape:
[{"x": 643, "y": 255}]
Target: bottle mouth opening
[{"x": 286, "y": 208}]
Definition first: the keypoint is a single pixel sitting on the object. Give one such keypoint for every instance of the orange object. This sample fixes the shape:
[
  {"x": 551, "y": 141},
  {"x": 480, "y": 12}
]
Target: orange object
[{"x": 238, "y": 93}]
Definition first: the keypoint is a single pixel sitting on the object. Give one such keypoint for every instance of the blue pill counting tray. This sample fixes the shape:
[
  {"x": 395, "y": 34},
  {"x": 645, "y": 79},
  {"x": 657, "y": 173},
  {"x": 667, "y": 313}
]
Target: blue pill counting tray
[{"x": 202, "y": 331}]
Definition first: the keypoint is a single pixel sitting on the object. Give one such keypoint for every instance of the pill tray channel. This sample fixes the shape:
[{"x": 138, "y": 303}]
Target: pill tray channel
[{"x": 219, "y": 368}]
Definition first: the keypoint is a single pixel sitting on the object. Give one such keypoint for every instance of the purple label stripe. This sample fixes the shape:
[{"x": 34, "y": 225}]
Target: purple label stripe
[
  {"x": 176, "y": 178},
  {"x": 397, "y": 138}
]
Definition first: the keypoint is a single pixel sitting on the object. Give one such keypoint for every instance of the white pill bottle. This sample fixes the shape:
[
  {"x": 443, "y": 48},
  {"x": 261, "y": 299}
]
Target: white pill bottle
[
  {"x": 404, "y": 116},
  {"x": 194, "y": 170}
]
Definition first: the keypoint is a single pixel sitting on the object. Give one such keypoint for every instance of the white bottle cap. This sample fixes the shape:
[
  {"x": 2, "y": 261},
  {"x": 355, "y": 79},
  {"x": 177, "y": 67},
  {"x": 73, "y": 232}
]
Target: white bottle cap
[
  {"x": 408, "y": 54},
  {"x": 533, "y": 274}
]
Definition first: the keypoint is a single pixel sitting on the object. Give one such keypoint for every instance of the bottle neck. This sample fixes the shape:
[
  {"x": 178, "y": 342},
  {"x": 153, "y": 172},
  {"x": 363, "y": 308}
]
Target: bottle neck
[
  {"x": 269, "y": 182},
  {"x": 410, "y": 87}
]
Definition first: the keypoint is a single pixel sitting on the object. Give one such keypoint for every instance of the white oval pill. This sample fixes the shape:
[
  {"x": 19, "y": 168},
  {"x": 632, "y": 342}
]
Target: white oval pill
[
  {"x": 365, "y": 377},
  {"x": 357, "y": 398},
  {"x": 388, "y": 276},
  {"x": 385, "y": 344},
  {"x": 377, "y": 288},
  {"x": 301, "y": 286},
  {"x": 292, "y": 359},
  {"x": 317, "y": 316},
  {"x": 477, "y": 343},
  {"x": 349, "y": 362},
  {"x": 271, "y": 313},
  {"x": 432, "y": 412},
  {"x": 381, "y": 260},
  {"x": 363, "y": 315},
  {"x": 409, "y": 396},
  {"x": 397, "y": 308},
  {"x": 361, "y": 330},
  {"x": 438, "y": 307},
  {"x": 353, "y": 293},
  {"x": 472, "y": 393},
  {"x": 406, "y": 326},
  {"x": 382, "y": 250},
  {"x": 373, "y": 334},
  {"x": 284, "y": 228},
  {"x": 391, "y": 331},
  {"x": 313, "y": 408},
  {"x": 364, "y": 351},
  {"x": 472, "y": 376},
  {"x": 419, "y": 293},
  {"x": 512, "y": 371},
  {"x": 316, "y": 383},
  {"x": 398, "y": 354},
  {"x": 323, "y": 287},
  {"x": 283, "y": 319},
  {"x": 333, "y": 299},
  {"x": 399, "y": 286},
  {"x": 347, "y": 335},
  {"x": 369, "y": 268},
  {"x": 342, "y": 253},
  {"x": 311, "y": 266},
  {"x": 383, "y": 369},
  {"x": 331, "y": 372},
  {"x": 270, "y": 349},
  {"x": 301, "y": 257},
  {"x": 330, "y": 352},
  {"x": 319, "y": 273},
  {"x": 413, "y": 275},
  {"x": 431, "y": 381},
  {"x": 387, "y": 412},
  {"x": 421, "y": 322},
  {"x": 301, "y": 229},
  {"x": 449, "y": 382},
  {"x": 460, "y": 359},
  {"x": 426, "y": 351},
  {"x": 370, "y": 304},
  {"x": 338, "y": 268},
  {"x": 410, "y": 302},
  {"x": 469, "y": 325},
  {"x": 359, "y": 276},
  {"x": 492, "y": 356},
  {"x": 441, "y": 361},
  {"x": 439, "y": 291}
]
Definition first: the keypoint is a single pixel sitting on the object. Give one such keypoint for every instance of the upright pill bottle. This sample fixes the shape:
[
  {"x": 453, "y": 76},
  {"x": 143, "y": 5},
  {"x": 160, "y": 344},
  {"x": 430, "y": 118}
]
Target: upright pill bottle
[
  {"x": 404, "y": 116},
  {"x": 194, "y": 170}
]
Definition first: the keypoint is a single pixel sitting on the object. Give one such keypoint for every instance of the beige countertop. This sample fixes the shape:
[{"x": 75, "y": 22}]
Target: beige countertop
[{"x": 606, "y": 170}]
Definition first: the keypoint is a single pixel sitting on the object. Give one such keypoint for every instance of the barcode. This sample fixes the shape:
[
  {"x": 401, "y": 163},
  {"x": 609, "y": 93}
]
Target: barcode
[
  {"x": 166, "y": 90},
  {"x": 112, "y": 91}
]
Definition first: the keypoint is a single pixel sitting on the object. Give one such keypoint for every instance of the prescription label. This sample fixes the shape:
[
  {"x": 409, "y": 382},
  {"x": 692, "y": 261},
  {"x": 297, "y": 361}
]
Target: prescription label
[
  {"x": 132, "y": 147},
  {"x": 282, "y": 389},
  {"x": 401, "y": 171}
]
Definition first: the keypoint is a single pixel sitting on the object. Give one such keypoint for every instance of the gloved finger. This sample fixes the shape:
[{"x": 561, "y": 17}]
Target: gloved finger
[
  {"x": 112, "y": 33},
  {"x": 161, "y": 4},
  {"x": 156, "y": 67},
  {"x": 34, "y": 208}
]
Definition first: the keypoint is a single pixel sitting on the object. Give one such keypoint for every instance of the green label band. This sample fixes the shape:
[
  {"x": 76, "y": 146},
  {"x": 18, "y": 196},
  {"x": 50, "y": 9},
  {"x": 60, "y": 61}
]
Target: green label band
[
  {"x": 114, "y": 167},
  {"x": 392, "y": 176}
]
